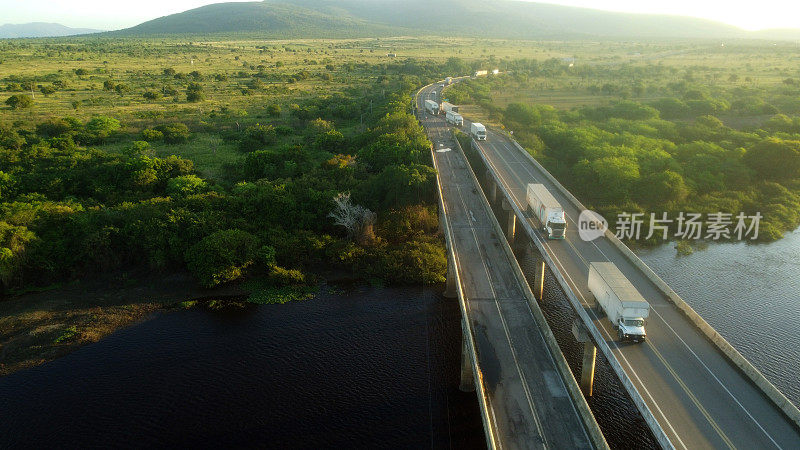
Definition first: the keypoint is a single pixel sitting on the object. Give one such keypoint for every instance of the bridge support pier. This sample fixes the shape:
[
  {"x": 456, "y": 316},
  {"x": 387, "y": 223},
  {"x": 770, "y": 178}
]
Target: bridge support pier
[
  {"x": 491, "y": 186},
  {"x": 589, "y": 357},
  {"x": 539, "y": 283},
  {"x": 511, "y": 224},
  {"x": 467, "y": 375}
]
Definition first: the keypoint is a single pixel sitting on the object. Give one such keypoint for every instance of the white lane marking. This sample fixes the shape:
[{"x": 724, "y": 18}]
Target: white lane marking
[
  {"x": 612, "y": 343},
  {"x": 757, "y": 423}
]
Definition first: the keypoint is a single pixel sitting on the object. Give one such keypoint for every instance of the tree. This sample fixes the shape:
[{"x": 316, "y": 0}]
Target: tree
[
  {"x": 174, "y": 133},
  {"x": 185, "y": 185},
  {"x": 101, "y": 127},
  {"x": 47, "y": 90},
  {"x": 19, "y": 101},
  {"x": 194, "y": 92},
  {"x": 775, "y": 159},
  {"x": 356, "y": 219},
  {"x": 274, "y": 110},
  {"x": 222, "y": 256},
  {"x": 257, "y": 136},
  {"x": 108, "y": 85}
]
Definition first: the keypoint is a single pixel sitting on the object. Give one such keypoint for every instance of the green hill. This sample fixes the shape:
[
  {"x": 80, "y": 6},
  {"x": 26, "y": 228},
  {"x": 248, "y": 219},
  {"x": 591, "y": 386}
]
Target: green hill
[{"x": 481, "y": 18}]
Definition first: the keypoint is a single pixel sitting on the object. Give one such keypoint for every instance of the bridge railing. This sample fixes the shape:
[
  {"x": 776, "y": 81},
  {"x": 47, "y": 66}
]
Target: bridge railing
[
  {"x": 601, "y": 343},
  {"x": 776, "y": 396},
  {"x": 593, "y": 429}
]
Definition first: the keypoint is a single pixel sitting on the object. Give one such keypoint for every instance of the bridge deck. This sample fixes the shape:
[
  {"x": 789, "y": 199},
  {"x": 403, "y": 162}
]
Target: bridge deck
[
  {"x": 529, "y": 404},
  {"x": 698, "y": 396}
]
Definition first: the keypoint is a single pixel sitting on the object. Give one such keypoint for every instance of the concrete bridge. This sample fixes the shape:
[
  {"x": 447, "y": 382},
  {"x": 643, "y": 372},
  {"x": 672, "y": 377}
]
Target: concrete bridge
[{"x": 693, "y": 389}]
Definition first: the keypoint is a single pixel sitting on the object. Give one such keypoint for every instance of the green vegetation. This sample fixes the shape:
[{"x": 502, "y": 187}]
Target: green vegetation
[
  {"x": 659, "y": 138},
  {"x": 232, "y": 172}
]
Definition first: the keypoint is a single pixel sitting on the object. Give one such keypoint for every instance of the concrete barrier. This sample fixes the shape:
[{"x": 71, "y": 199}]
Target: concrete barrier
[
  {"x": 776, "y": 396},
  {"x": 593, "y": 429}
]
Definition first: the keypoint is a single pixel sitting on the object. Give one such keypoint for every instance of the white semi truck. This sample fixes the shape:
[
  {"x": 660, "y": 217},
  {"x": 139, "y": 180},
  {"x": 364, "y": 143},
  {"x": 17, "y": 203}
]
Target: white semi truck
[
  {"x": 447, "y": 107},
  {"x": 454, "y": 118},
  {"x": 432, "y": 107},
  {"x": 548, "y": 211},
  {"x": 618, "y": 298},
  {"x": 478, "y": 131}
]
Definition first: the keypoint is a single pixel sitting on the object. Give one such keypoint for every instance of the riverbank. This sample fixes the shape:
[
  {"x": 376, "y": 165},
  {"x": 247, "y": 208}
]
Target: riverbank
[
  {"x": 41, "y": 326},
  {"x": 357, "y": 366}
]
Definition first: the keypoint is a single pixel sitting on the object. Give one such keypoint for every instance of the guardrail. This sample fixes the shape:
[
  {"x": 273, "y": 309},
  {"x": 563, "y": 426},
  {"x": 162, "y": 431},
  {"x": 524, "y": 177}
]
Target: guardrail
[
  {"x": 647, "y": 415},
  {"x": 593, "y": 429},
  {"x": 784, "y": 404}
]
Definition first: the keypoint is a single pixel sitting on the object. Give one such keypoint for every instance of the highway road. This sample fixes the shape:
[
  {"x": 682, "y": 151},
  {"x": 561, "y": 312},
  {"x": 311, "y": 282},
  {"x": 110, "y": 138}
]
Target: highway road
[
  {"x": 698, "y": 396},
  {"x": 529, "y": 405}
]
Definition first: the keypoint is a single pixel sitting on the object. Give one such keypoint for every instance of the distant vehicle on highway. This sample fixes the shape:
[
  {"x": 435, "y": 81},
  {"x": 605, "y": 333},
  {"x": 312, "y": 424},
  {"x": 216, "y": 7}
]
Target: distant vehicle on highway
[
  {"x": 495, "y": 71},
  {"x": 618, "y": 298},
  {"x": 447, "y": 107},
  {"x": 454, "y": 118},
  {"x": 448, "y": 81},
  {"x": 480, "y": 73},
  {"x": 478, "y": 131},
  {"x": 547, "y": 210},
  {"x": 432, "y": 107}
]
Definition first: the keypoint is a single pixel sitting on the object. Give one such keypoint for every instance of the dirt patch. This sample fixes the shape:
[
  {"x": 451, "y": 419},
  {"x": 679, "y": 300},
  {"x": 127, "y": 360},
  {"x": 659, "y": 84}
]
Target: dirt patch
[{"x": 42, "y": 326}]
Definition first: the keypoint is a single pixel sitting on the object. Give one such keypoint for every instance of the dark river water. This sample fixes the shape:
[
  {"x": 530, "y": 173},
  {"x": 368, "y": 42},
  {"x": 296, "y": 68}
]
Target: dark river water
[
  {"x": 374, "y": 368},
  {"x": 369, "y": 368},
  {"x": 750, "y": 294}
]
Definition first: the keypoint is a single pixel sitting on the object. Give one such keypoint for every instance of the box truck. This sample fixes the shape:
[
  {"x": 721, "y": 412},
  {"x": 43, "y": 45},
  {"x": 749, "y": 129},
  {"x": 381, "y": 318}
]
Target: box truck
[
  {"x": 478, "y": 131},
  {"x": 618, "y": 298},
  {"x": 454, "y": 118},
  {"x": 447, "y": 106},
  {"x": 480, "y": 73},
  {"x": 432, "y": 107},
  {"x": 548, "y": 211}
]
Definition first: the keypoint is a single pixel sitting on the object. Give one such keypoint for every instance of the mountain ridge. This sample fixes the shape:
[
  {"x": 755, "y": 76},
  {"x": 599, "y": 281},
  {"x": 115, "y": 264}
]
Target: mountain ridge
[
  {"x": 461, "y": 18},
  {"x": 40, "y": 29}
]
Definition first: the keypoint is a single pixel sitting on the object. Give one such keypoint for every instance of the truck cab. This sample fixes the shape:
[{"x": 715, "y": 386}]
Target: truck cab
[
  {"x": 631, "y": 329},
  {"x": 556, "y": 226}
]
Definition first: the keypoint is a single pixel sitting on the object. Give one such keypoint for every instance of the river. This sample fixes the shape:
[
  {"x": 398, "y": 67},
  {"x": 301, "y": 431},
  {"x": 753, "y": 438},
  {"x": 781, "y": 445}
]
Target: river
[
  {"x": 365, "y": 367},
  {"x": 369, "y": 367},
  {"x": 750, "y": 294}
]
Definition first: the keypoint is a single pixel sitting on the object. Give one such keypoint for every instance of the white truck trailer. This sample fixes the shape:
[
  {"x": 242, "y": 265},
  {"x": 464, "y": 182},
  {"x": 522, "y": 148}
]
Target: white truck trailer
[
  {"x": 478, "y": 131},
  {"x": 454, "y": 118},
  {"x": 432, "y": 107},
  {"x": 447, "y": 106},
  {"x": 548, "y": 211},
  {"x": 615, "y": 295}
]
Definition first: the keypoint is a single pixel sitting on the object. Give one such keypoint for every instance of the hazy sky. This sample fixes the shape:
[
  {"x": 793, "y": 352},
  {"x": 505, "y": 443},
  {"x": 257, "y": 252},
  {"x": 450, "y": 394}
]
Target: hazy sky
[{"x": 109, "y": 15}]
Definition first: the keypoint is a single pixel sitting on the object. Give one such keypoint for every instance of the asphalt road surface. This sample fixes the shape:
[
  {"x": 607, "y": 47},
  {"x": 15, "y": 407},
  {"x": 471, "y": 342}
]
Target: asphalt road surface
[
  {"x": 697, "y": 395},
  {"x": 529, "y": 404}
]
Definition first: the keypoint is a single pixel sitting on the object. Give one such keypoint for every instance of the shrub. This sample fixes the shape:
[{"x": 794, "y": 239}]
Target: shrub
[
  {"x": 19, "y": 101},
  {"x": 151, "y": 135},
  {"x": 274, "y": 110},
  {"x": 174, "y": 133},
  {"x": 222, "y": 256}
]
